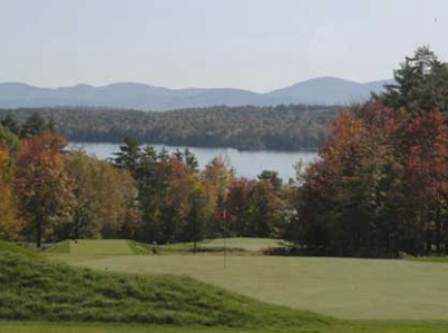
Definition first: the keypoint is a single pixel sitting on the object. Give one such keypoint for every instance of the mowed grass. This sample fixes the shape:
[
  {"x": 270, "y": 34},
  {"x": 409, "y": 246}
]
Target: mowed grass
[
  {"x": 344, "y": 288},
  {"x": 236, "y": 244},
  {"x": 441, "y": 259}
]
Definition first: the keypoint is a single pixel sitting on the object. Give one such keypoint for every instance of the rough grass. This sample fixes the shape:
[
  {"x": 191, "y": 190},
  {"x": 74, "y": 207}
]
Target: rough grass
[
  {"x": 360, "y": 327},
  {"x": 344, "y": 288},
  {"x": 31, "y": 288}
]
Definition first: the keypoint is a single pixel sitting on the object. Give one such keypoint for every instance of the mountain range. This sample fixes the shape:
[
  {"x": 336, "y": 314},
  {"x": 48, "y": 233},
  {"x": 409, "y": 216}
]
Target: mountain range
[{"x": 318, "y": 91}]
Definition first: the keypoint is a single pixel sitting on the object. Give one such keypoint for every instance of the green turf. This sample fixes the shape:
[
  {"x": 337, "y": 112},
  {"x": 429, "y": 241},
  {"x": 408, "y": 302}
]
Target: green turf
[
  {"x": 358, "y": 327},
  {"x": 441, "y": 259},
  {"x": 234, "y": 245},
  {"x": 345, "y": 288},
  {"x": 32, "y": 288}
]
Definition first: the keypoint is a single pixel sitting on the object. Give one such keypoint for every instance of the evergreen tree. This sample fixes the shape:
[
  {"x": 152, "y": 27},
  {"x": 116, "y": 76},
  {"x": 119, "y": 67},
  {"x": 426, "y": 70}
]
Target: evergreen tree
[
  {"x": 34, "y": 125},
  {"x": 129, "y": 156},
  {"x": 272, "y": 177},
  {"x": 191, "y": 161},
  {"x": 196, "y": 219},
  {"x": 11, "y": 124},
  {"x": 421, "y": 84}
]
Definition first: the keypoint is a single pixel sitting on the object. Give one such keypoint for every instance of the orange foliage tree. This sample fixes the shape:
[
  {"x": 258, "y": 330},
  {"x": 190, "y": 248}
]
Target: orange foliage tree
[
  {"x": 10, "y": 225},
  {"x": 44, "y": 191}
]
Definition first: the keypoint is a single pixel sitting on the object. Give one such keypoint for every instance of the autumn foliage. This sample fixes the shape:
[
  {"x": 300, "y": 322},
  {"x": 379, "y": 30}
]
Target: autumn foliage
[
  {"x": 10, "y": 224},
  {"x": 380, "y": 186},
  {"x": 42, "y": 185}
]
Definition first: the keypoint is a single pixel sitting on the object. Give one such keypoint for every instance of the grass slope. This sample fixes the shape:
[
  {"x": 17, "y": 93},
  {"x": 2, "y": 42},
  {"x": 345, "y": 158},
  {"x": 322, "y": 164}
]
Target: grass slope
[
  {"x": 31, "y": 288},
  {"x": 360, "y": 327},
  {"x": 345, "y": 288}
]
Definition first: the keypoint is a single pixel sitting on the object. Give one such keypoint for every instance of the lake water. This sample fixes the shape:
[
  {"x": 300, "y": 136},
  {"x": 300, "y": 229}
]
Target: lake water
[{"x": 247, "y": 164}]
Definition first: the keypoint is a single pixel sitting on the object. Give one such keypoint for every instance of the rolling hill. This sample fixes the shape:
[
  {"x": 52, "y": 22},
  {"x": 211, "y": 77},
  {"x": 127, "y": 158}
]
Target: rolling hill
[{"x": 321, "y": 91}]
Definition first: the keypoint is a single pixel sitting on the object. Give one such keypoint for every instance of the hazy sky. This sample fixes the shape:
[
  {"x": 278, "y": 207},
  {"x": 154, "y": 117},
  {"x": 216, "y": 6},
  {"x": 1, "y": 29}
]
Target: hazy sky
[{"x": 250, "y": 44}]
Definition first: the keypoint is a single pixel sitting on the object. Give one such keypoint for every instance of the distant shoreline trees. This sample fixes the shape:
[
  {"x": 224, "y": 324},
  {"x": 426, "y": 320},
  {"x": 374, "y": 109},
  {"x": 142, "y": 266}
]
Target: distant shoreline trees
[{"x": 288, "y": 127}]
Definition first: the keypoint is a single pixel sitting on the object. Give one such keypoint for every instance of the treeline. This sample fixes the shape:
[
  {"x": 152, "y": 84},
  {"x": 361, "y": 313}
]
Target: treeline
[
  {"x": 287, "y": 127},
  {"x": 50, "y": 194},
  {"x": 381, "y": 185}
]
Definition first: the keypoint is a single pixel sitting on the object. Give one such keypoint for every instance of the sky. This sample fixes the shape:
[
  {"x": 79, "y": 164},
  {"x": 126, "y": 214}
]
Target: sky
[{"x": 257, "y": 45}]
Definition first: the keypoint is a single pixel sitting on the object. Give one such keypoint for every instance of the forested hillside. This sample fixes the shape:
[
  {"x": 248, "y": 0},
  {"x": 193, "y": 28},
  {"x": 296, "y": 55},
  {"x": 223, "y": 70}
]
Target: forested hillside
[{"x": 291, "y": 127}]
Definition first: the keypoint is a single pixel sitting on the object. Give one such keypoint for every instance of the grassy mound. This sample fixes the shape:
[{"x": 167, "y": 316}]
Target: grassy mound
[{"x": 32, "y": 288}]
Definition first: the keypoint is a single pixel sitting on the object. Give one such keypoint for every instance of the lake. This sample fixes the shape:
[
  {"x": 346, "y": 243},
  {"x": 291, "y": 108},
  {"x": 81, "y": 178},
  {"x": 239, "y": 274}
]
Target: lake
[{"x": 247, "y": 164}]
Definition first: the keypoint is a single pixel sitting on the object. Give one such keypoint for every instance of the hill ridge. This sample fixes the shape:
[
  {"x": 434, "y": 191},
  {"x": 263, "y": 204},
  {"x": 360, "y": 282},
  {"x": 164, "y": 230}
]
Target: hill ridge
[{"x": 326, "y": 90}]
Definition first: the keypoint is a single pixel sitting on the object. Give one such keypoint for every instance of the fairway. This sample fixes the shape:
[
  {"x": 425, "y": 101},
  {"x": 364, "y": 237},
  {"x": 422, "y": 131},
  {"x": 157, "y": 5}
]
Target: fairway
[{"x": 345, "y": 288}]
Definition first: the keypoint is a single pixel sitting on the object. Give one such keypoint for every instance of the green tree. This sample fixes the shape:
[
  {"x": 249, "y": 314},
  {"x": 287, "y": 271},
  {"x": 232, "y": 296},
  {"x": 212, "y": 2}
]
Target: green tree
[
  {"x": 129, "y": 155},
  {"x": 9, "y": 140},
  {"x": 272, "y": 177},
  {"x": 264, "y": 210},
  {"x": 34, "y": 125},
  {"x": 421, "y": 84},
  {"x": 196, "y": 220},
  {"x": 10, "y": 123}
]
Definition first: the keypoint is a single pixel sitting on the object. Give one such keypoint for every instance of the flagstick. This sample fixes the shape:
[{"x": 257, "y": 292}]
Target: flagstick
[{"x": 225, "y": 252}]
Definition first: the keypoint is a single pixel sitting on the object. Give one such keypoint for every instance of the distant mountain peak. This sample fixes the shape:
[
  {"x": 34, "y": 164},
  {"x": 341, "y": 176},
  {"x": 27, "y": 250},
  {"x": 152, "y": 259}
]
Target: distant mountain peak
[{"x": 325, "y": 90}]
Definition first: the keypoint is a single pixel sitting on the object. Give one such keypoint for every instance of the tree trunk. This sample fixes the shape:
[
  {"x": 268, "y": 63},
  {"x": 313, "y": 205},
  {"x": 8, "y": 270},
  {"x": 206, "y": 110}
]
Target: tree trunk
[
  {"x": 39, "y": 232},
  {"x": 438, "y": 234}
]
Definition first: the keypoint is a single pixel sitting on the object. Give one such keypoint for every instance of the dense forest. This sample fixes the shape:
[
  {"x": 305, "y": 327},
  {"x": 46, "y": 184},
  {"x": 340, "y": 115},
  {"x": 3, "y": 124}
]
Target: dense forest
[{"x": 288, "y": 127}]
